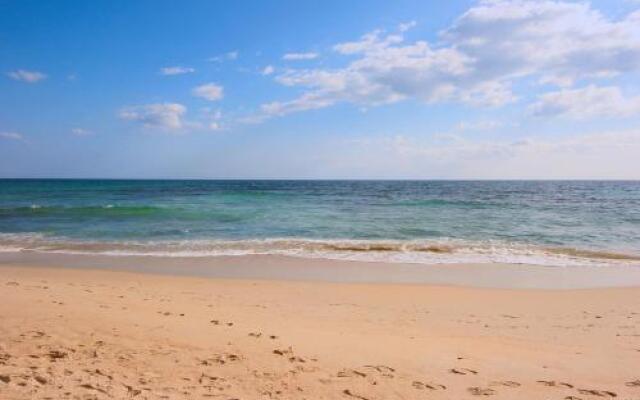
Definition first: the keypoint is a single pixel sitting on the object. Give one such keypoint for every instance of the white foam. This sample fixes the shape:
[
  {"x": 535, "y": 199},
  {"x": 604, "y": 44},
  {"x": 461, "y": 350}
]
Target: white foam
[{"x": 441, "y": 251}]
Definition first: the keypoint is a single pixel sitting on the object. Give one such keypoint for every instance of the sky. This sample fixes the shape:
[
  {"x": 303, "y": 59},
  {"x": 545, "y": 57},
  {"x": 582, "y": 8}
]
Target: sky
[{"x": 375, "y": 89}]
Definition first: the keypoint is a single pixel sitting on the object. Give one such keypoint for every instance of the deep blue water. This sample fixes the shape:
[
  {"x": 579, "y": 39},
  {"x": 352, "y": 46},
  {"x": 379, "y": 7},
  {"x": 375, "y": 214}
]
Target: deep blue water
[{"x": 546, "y": 222}]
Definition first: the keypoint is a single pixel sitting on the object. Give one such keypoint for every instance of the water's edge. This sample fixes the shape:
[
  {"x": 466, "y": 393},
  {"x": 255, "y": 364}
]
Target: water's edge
[{"x": 285, "y": 268}]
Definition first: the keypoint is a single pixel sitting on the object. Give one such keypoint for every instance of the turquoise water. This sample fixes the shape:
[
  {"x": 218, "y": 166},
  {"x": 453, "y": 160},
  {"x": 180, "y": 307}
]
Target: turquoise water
[{"x": 541, "y": 222}]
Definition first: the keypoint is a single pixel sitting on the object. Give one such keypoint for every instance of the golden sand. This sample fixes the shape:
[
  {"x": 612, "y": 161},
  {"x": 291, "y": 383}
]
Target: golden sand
[{"x": 83, "y": 334}]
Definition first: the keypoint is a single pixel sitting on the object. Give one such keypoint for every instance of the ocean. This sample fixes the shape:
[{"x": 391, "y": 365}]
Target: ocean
[{"x": 554, "y": 223}]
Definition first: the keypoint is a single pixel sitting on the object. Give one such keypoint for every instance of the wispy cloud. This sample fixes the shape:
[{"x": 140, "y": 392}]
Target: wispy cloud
[
  {"x": 229, "y": 56},
  {"x": 81, "y": 132},
  {"x": 405, "y": 26},
  {"x": 209, "y": 91},
  {"x": 11, "y": 136},
  {"x": 597, "y": 154},
  {"x": 160, "y": 115},
  {"x": 299, "y": 56},
  {"x": 587, "y": 102},
  {"x": 483, "y": 125},
  {"x": 27, "y": 76},
  {"x": 168, "y": 71},
  {"x": 211, "y": 119}
]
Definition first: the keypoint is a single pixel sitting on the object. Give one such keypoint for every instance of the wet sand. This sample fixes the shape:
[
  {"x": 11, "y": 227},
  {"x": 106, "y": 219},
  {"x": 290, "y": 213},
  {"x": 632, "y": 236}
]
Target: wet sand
[{"x": 83, "y": 333}]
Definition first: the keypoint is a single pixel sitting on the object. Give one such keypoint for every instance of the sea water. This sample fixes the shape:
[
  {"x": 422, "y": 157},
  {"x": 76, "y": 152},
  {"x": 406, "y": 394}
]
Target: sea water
[{"x": 555, "y": 223}]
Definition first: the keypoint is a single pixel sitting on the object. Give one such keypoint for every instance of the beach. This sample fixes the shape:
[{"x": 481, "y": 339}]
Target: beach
[
  {"x": 320, "y": 200},
  {"x": 82, "y": 329}
]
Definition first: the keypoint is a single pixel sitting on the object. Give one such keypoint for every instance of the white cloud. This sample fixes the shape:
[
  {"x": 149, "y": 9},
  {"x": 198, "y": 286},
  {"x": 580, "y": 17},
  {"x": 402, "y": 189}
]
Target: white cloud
[
  {"x": 557, "y": 41},
  {"x": 26, "y": 76},
  {"x": 176, "y": 70},
  {"x": 211, "y": 119},
  {"x": 484, "y": 125},
  {"x": 477, "y": 59},
  {"x": 308, "y": 101},
  {"x": 299, "y": 56},
  {"x": 268, "y": 70},
  {"x": 230, "y": 56},
  {"x": 588, "y": 102},
  {"x": 81, "y": 132},
  {"x": 11, "y": 136},
  {"x": 594, "y": 155},
  {"x": 405, "y": 26},
  {"x": 161, "y": 115},
  {"x": 209, "y": 91}
]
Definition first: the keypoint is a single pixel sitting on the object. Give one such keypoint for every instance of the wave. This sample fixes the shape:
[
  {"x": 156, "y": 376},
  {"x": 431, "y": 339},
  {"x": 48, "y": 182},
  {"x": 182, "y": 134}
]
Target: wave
[{"x": 442, "y": 251}]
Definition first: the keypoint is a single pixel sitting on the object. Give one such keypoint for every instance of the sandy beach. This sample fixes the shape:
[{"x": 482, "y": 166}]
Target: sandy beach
[
  {"x": 95, "y": 333},
  {"x": 320, "y": 200}
]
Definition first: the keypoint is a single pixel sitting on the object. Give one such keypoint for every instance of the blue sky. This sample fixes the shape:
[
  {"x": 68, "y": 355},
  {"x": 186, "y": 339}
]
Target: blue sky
[{"x": 320, "y": 89}]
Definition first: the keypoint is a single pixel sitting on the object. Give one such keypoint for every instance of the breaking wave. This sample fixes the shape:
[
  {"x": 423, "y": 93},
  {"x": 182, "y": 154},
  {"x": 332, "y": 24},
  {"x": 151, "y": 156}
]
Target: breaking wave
[{"x": 403, "y": 251}]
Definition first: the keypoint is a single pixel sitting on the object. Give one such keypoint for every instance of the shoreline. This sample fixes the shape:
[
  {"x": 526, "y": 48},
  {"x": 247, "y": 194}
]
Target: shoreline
[
  {"x": 289, "y": 268},
  {"x": 71, "y": 331}
]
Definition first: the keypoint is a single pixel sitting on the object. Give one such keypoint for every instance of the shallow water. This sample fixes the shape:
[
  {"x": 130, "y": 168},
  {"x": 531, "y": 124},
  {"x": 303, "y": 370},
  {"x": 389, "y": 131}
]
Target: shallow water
[{"x": 534, "y": 222}]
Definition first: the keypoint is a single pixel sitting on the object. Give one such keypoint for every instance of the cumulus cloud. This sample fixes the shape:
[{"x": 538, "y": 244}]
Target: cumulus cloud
[
  {"x": 161, "y": 115},
  {"x": 299, "y": 56},
  {"x": 209, "y": 91},
  {"x": 268, "y": 70},
  {"x": 556, "y": 41},
  {"x": 11, "y": 136},
  {"x": 26, "y": 76},
  {"x": 167, "y": 71},
  {"x": 477, "y": 59},
  {"x": 588, "y": 102}
]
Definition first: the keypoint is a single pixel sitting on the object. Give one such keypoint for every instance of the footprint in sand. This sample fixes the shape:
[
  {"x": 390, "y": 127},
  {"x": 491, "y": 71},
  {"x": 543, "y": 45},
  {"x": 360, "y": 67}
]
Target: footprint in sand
[
  {"x": 94, "y": 388},
  {"x": 463, "y": 371},
  {"x": 56, "y": 355},
  {"x": 351, "y": 394},
  {"x": 599, "y": 393},
  {"x": 383, "y": 370},
  {"x": 635, "y": 383},
  {"x": 431, "y": 386},
  {"x": 350, "y": 373},
  {"x": 478, "y": 391},
  {"x": 512, "y": 384},
  {"x": 283, "y": 352},
  {"x": 4, "y": 357},
  {"x": 220, "y": 359},
  {"x": 556, "y": 384}
]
